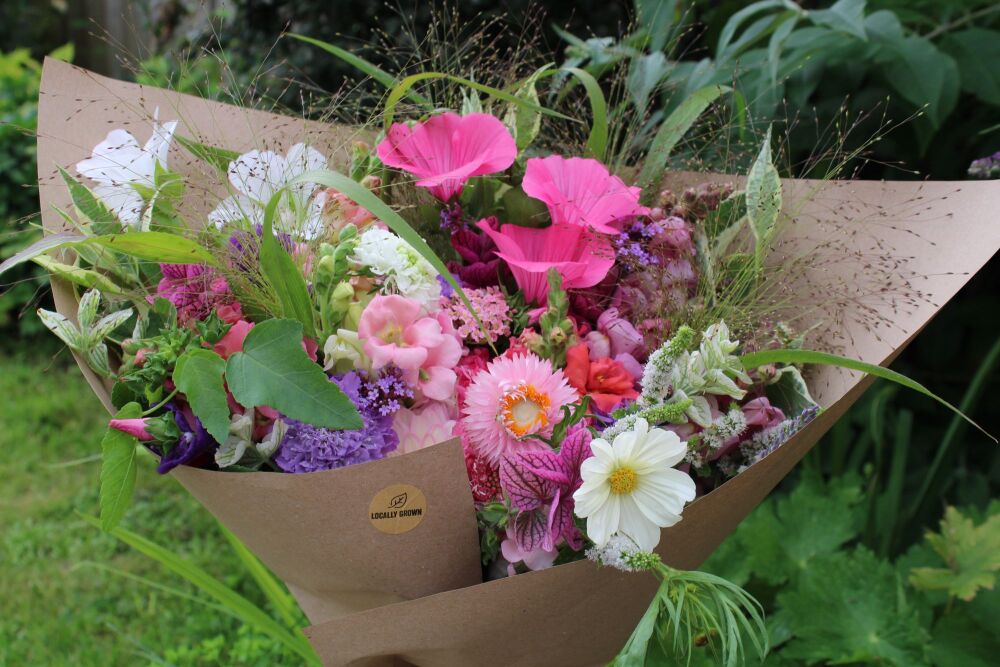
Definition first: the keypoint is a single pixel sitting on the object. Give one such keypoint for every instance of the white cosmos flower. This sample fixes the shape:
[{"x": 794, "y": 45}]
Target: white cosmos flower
[
  {"x": 256, "y": 176},
  {"x": 119, "y": 162},
  {"x": 404, "y": 270},
  {"x": 631, "y": 488}
]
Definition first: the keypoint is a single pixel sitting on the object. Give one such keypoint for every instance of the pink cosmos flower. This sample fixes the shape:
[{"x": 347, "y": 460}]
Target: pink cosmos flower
[
  {"x": 447, "y": 150},
  {"x": 512, "y": 400},
  {"x": 425, "y": 348},
  {"x": 133, "y": 427},
  {"x": 424, "y": 426},
  {"x": 581, "y": 257},
  {"x": 541, "y": 485},
  {"x": 581, "y": 191}
]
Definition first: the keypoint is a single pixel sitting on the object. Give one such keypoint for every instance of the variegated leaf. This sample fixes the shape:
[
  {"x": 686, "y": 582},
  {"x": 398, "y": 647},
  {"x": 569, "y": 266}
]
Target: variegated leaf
[
  {"x": 527, "y": 489},
  {"x": 64, "y": 330},
  {"x": 107, "y": 324},
  {"x": 86, "y": 312}
]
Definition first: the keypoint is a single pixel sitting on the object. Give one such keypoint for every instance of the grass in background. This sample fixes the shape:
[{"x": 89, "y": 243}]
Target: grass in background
[{"x": 59, "y": 604}]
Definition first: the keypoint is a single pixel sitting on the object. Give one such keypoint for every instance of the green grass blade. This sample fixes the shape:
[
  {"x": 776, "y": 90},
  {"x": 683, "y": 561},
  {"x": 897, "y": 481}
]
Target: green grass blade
[
  {"x": 597, "y": 140},
  {"x": 273, "y": 590},
  {"x": 149, "y": 583},
  {"x": 283, "y": 275},
  {"x": 366, "y": 199},
  {"x": 672, "y": 130},
  {"x": 218, "y": 158},
  {"x": 235, "y": 604},
  {"x": 363, "y": 65},
  {"x": 404, "y": 86},
  {"x": 785, "y": 356}
]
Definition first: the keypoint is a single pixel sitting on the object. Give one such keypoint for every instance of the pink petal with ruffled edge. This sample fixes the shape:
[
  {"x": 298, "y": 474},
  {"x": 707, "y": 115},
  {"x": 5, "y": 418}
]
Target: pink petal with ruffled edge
[
  {"x": 581, "y": 191},
  {"x": 447, "y": 150}
]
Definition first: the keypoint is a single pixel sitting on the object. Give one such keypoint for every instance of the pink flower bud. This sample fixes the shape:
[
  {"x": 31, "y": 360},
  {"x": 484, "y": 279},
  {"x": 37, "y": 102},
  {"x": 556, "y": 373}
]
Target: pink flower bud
[{"x": 133, "y": 427}]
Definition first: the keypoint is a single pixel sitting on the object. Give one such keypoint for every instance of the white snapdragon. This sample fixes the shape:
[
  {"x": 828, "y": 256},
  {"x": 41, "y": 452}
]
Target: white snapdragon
[
  {"x": 402, "y": 268},
  {"x": 240, "y": 441}
]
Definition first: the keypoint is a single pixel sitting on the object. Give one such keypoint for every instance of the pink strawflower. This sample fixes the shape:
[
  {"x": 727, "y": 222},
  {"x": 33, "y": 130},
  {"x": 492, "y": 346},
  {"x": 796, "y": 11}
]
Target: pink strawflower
[
  {"x": 424, "y": 426},
  {"x": 195, "y": 290},
  {"x": 581, "y": 191},
  {"x": 133, "y": 427},
  {"x": 490, "y": 305},
  {"x": 514, "y": 399},
  {"x": 426, "y": 349},
  {"x": 581, "y": 257},
  {"x": 446, "y": 150}
]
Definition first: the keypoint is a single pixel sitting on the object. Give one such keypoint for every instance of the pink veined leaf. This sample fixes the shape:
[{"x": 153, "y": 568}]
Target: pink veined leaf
[
  {"x": 547, "y": 465},
  {"x": 530, "y": 530},
  {"x": 527, "y": 490},
  {"x": 575, "y": 449}
]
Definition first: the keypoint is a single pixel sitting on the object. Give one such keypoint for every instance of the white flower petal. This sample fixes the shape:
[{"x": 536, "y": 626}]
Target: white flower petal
[
  {"x": 258, "y": 174},
  {"x": 590, "y": 497},
  {"x": 123, "y": 201},
  {"x": 603, "y": 523},
  {"x": 637, "y": 525}
]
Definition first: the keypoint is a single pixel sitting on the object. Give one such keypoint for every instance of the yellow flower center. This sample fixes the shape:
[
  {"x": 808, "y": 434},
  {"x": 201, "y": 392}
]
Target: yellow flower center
[
  {"x": 392, "y": 333},
  {"x": 523, "y": 410},
  {"x": 623, "y": 480}
]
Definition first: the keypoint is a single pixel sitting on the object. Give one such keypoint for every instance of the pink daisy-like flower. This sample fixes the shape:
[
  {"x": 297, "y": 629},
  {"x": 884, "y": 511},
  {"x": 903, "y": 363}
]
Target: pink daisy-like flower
[{"x": 513, "y": 399}]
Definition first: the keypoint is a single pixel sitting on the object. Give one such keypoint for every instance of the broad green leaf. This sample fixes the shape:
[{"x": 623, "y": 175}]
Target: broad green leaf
[
  {"x": 369, "y": 201},
  {"x": 89, "y": 206},
  {"x": 403, "y": 87},
  {"x": 786, "y": 356},
  {"x": 957, "y": 640},
  {"x": 283, "y": 275},
  {"x": 64, "y": 330},
  {"x": 789, "y": 391},
  {"x": 671, "y": 131},
  {"x": 924, "y": 76},
  {"x": 597, "y": 140},
  {"x": 118, "y": 452},
  {"x": 645, "y": 74},
  {"x": 280, "y": 599},
  {"x": 763, "y": 197},
  {"x": 235, "y": 604},
  {"x": 724, "y": 47},
  {"x": 977, "y": 51},
  {"x": 77, "y": 275},
  {"x": 198, "y": 375},
  {"x": 219, "y": 158},
  {"x": 847, "y": 16},
  {"x": 274, "y": 370},
  {"x": 40, "y": 247},
  {"x": 157, "y": 247},
  {"x": 659, "y": 19},
  {"x": 971, "y": 556},
  {"x": 524, "y": 121}
]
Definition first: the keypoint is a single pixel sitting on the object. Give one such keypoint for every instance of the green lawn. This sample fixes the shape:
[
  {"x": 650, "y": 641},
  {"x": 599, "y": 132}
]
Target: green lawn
[{"x": 62, "y": 599}]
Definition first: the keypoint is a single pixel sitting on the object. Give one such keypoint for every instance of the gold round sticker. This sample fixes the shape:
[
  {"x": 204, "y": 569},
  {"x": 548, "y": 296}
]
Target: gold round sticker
[{"x": 397, "y": 508}]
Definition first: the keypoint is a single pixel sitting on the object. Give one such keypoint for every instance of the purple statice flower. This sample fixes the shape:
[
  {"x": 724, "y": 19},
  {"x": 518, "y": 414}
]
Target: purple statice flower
[
  {"x": 195, "y": 290},
  {"x": 384, "y": 392},
  {"x": 194, "y": 443},
  {"x": 244, "y": 247},
  {"x": 986, "y": 167},
  {"x": 307, "y": 448},
  {"x": 632, "y": 244}
]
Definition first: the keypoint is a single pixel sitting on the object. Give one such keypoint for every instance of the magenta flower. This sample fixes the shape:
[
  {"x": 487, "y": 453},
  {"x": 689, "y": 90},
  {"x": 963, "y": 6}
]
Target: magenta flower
[
  {"x": 195, "y": 290},
  {"x": 581, "y": 257},
  {"x": 480, "y": 266},
  {"x": 445, "y": 151},
  {"x": 581, "y": 191},
  {"x": 540, "y": 485}
]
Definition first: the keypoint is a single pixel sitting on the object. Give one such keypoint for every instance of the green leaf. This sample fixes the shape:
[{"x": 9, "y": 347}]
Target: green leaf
[
  {"x": 847, "y": 16},
  {"x": 77, "y": 275},
  {"x": 118, "y": 467},
  {"x": 658, "y": 18},
  {"x": 274, "y": 370},
  {"x": 284, "y": 277},
  {"x": 219, "y": 158},
  {"x": 786, "y": 356},
  {"x": 235, "y": 604},
  {"x": 957, "y": 640},
  {"x": 597, "y": 140},
  {"x": 671, "y": 131},
  {"x": 89, "y": 206},
  {"x": 368, "y": 68},
  {"x": 40, "y": 247},
  {"x": 271, "y": 586},
  {"x": 157, "y": 247},
  {"x": 847, "y": 609},
  {"x": 971, "y": 555},
  {"x": 763, "y": 197},
  {"x": 924, "y": 76},
  {"x": 525, "y": 122},
  {"x": 368, "y": 200},
  {"x": 977, "y": 50},
  {"x": 198, "y": 375},
  {"x": 789, "y": 391}
]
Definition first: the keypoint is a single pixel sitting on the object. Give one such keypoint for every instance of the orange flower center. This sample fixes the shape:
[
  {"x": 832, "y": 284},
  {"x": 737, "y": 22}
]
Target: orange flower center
[
  {"x": 623, "y": 480},
  {"x": 523, "y": 410}
]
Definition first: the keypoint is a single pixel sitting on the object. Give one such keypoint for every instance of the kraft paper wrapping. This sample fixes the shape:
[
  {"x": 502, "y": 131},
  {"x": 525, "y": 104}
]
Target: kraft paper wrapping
[
  {"x": 880, "y": 259},
  {"x": 313, "y": 530}
]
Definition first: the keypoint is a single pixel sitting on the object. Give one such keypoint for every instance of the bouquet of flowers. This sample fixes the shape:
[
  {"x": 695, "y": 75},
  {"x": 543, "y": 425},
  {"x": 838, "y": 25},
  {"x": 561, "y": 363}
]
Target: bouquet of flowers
[{"x": 400, "y": 363}]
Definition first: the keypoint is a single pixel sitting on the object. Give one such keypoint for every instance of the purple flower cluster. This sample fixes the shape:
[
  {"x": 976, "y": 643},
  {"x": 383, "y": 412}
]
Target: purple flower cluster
[
  {"x": 631, "y": 245},
  {"x": 307, "y": 448},
  {"x": 986, "y": 167},
  {"x": 384, "y": 392},
  {"x": 245, "y": 247}
]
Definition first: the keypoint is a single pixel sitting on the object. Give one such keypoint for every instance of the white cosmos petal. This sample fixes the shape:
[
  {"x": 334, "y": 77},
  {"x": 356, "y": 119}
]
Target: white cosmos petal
[
  {"x": 234, "y": 210},
  {"x": 590, "y": 497},
  {"x": 603, "y": 450},
  {"x": 604, "y": 522},
  {"x": 625, "y": 445},
  {"x": 159, "y": 142},
  {"x": 596, "y": 466},
  {"x": 657, "y": 507},
  {"x": 636, "y": 525},
  {"x": 110, "y": 161}
]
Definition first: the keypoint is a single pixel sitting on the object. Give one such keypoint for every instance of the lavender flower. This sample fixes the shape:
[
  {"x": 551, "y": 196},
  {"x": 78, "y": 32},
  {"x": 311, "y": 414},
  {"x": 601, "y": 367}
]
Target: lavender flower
[
  {"x": 383, "y": 393},
  {"x": 764, "y": 442},
  {"x": 986, "y": 167},
  {"x": 307, "y": 448}
]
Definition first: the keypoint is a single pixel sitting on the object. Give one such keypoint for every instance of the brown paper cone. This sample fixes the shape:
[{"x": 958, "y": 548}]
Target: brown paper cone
[
  {"x": 882, "y": 260},
  {"x": 314, "y": 530}
]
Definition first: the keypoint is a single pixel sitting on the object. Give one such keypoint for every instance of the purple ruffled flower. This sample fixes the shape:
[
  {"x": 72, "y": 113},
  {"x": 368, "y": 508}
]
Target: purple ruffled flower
[
  {"x": 307, "y": 448},
  {"x": 194, "y": 443}
]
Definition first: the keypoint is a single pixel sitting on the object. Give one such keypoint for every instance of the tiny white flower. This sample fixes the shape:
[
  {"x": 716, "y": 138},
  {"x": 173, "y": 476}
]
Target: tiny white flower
[
  {"x": 257, "y": 176},
  {"x": 344, "y": 345},
  {"x": 119, "y": 162},
  {"x": 405, "y": 271},
  {"x": 630, "y": 487}
]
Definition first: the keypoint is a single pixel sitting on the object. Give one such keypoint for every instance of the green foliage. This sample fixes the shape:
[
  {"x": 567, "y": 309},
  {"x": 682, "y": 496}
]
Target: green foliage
[
  {"x": 971, "y": 556},
  {"x": 274, "y": 370},
  {"x": 198, "y": 374},
  {"x": 118, "y": 468}
]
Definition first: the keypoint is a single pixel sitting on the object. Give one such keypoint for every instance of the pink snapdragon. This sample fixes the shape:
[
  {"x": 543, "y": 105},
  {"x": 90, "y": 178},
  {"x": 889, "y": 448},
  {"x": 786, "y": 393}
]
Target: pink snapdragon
[
  {"x": 582, "y": 257},
  {"x": 446, "y": 150},
  {"x": 581, "y": 191},
  {"x": 427, "y": 349}
]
